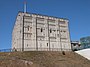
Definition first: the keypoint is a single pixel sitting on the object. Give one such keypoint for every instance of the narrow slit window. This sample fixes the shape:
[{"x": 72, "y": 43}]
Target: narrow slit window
[
  {"x": 41, "y": 30},
  {"x": 47, "y": 44},
  {"x": 50, "y": 31},
  {"x": 28, "y": 28}
]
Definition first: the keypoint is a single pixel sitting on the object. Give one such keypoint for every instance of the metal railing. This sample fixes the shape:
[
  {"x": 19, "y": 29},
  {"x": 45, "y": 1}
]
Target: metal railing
[
  {"x": 6, "y": 50},
  {"x": 34, "y": 49}
]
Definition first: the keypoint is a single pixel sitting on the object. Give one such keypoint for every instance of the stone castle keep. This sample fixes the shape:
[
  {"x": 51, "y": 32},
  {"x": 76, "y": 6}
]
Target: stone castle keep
[{"x": 35, "y": 32}]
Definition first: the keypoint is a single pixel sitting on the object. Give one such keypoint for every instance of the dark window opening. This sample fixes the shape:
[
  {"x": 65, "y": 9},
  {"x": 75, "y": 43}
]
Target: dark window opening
[
  {"x": 41, "y": 30},
  {"x": 64, "y": 31},
  {"x": 50, "y": 31},
  {"x": 61, "y": 31},
  {"x": 28, "y": 28},
  {"x": 20, "y": 31},
  {"x": 27, "y": 45},
  {"x": 74, "y": 44},
  {"x": 54, "y": 30},
  {"x": 79, "y": 45},
  {"x": 47, "y": 44}
]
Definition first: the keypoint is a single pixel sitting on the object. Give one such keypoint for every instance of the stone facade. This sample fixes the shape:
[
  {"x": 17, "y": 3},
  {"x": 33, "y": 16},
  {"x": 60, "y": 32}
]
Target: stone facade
[{"x": 35, "y": 32}]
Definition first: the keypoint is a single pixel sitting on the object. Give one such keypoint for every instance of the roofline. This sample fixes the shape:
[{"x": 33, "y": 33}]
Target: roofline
[{"x": 43, "y": 15}]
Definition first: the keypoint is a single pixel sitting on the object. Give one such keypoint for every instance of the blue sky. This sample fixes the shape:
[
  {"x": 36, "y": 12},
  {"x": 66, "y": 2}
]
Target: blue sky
[{"x": 77, "y": 11}]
